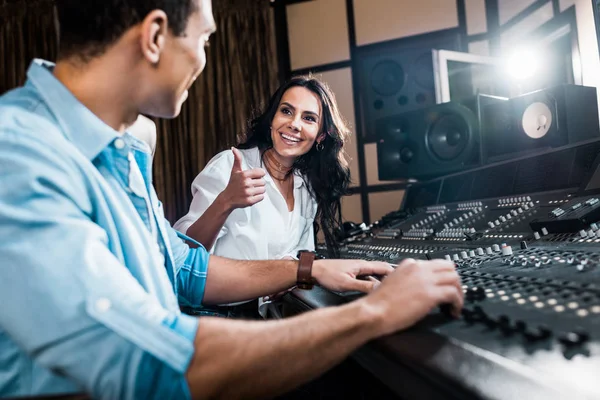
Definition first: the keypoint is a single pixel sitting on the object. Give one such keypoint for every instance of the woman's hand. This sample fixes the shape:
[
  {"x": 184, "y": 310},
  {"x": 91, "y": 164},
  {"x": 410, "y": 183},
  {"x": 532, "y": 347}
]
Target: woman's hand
[{"x": 245, "y": 188}]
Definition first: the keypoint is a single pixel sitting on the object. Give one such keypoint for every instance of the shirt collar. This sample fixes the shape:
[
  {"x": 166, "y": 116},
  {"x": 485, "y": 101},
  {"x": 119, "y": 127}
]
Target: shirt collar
[{"x": 79, "y": 125}]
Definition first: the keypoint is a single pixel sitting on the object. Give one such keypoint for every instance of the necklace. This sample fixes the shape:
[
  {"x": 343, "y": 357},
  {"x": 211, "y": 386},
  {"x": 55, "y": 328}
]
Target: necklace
[
  {"x": 277, "y": 170},
  {"x": 280, "y": 173}
]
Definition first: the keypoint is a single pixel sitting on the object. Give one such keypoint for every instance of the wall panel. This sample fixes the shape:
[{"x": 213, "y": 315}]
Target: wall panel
[
  {"x": 380, "y": 20},
  {"x": 340, "y": 81},
  {"x": 352, "y": 208},
  {"x": 382, "y": 203},
  {"x": 476, "y": 19},
  {"x": 317, "y": 33}
]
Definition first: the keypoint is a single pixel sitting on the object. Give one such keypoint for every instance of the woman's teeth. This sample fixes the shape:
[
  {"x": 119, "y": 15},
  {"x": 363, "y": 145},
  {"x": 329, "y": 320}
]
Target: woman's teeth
[{"x": 290, "y": 138}]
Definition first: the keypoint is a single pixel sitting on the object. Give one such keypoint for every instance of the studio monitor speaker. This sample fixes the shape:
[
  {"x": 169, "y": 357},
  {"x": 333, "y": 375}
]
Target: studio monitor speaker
[
  {"x": 398, "y": 76},
  {"x": 548, "y": 118},
  {"x": 431, "y": 141}
]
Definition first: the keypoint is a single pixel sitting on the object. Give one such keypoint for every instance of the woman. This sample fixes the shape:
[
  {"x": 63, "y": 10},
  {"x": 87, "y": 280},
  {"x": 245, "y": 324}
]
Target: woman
[
  {"x": 260, "y": 202},
  {"x": 298, "y": 140}
]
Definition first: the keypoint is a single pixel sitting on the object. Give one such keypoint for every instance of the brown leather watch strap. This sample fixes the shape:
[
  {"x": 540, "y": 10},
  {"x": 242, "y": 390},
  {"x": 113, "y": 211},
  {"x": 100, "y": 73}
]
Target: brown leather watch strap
[{"x": 304, "y": 278}]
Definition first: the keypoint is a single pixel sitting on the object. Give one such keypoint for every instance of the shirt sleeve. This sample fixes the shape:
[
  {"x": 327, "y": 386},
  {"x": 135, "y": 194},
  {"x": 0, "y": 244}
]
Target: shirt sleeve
[
  {"x": 67, "y": 301},
  {"x": 209, "y": 183},
  {"x": 191, "y": 269}
]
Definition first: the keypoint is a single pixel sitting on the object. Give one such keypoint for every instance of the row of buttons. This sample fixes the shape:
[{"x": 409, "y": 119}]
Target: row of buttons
[
  {"x": 505, "y": 249},
  {"x": 427, "y": 220},
  {"x": 513, "y": 200},
  {"x": 503, "y": 236},
  {"x": 513, "y": 213},
  {"x": 472, "y": 204}
]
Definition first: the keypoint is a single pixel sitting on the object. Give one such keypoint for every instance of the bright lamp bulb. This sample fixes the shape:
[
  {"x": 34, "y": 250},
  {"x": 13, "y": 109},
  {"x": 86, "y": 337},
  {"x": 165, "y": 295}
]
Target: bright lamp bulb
[{"x": 523, "y": 64}]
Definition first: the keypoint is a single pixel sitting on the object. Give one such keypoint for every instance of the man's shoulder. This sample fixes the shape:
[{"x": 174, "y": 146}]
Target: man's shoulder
[
  {"x": 23, "y": 115},
  {"x": 28, "y": 131}
]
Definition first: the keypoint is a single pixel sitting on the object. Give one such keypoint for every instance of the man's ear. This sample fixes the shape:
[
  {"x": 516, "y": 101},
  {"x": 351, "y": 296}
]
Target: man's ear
[{"x": 154, "y": 31}]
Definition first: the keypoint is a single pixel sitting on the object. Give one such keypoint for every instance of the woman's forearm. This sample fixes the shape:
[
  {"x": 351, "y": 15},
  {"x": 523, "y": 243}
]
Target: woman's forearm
[{"x": 206, "y": 228}]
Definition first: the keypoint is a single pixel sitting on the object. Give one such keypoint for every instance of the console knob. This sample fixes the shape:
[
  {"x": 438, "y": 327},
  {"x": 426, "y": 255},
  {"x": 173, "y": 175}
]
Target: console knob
[
  {"x": 536, "y": 235},
  {"x": 506, "y": 250},
  {"x": 544, "y": 231},
  {"x": 583, "y": 233},
  {"x": 471, "y": 253},
  {"x": 496, "y": 247},
  {"x": 447, "y": 257},
  {"x": 480, "y": 251},
  {"x": 523, "y": 245},
  {"x": 504, "y": 324},
  {"x": 463, "y": 254},
  {"x": 573, "y": 338},
  {"x": 520, "y": 325},
  {"x": 488, "y": 250}
]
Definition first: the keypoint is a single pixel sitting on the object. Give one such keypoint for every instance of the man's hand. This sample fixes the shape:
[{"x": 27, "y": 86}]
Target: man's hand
[
  {"x": 341, "y": 275},
  {"x": 245, "y": 188},
  {"x": 412, "y": 291}
]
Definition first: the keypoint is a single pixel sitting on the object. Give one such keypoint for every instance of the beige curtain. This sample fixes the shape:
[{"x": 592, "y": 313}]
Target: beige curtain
[{"x": 240, "y": 75}]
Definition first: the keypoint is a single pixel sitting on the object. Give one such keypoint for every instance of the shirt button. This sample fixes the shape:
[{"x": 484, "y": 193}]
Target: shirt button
[
  {"x": 119, "y": 144},
  {"x": 103, "y": 305}
]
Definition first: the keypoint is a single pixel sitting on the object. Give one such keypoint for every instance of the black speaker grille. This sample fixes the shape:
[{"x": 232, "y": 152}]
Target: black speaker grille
[
  {"x": 423, "y": 194},
  {"x": 457, "y": 188},
  {"x": 387, "y": 78},
  {"x": 543, "y": 173},
  {"x": 493, "y": 181}
]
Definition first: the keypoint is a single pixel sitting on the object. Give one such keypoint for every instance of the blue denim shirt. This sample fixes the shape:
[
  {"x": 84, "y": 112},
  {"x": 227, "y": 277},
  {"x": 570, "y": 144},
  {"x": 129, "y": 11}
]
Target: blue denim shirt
[{"x": 90, "y": 271}]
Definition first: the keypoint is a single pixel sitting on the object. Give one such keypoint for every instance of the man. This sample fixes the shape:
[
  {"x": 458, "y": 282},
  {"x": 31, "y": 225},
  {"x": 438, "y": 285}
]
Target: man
[{"x": 90, "y": 272}]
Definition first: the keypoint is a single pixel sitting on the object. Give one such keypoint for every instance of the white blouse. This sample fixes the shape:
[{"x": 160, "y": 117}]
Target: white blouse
[{"x": 266, "y": 230}]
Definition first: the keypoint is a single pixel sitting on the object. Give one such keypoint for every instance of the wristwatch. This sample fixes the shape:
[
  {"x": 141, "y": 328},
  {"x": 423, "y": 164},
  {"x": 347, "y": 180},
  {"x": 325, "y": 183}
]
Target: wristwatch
[{"x": 304, "y": 278}]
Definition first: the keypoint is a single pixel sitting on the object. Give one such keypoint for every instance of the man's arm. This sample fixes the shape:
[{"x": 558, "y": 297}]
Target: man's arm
[
  {"x": 241, "y": 359},
  {"x": 234, "y": 280},
  {"x": 102, "y": 330}
]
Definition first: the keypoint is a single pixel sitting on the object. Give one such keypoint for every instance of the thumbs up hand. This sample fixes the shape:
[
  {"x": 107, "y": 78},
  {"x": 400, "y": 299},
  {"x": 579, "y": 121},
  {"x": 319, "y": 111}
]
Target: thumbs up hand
[{"x": 245, "y": 188}]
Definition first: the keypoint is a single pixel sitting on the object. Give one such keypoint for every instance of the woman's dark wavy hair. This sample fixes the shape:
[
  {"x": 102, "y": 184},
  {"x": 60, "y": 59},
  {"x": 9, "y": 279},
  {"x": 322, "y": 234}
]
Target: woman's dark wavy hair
[{"x": 325, "y": 172}]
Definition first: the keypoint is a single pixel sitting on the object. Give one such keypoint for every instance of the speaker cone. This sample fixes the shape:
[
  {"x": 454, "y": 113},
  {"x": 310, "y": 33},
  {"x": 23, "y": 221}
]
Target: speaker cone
[
  {"x": 448, "y": 137},
  {"x": 537, "y": 120},
  {"x": 406, "y": 155},
  {"x": 422, "y": 70},
  {"x": 387, "y": 78}
]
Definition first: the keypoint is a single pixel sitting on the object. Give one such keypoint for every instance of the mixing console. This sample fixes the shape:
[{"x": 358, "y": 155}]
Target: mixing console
[
  {"x": 530, "y": 270},
  {"x": 522, "y": 281}
]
